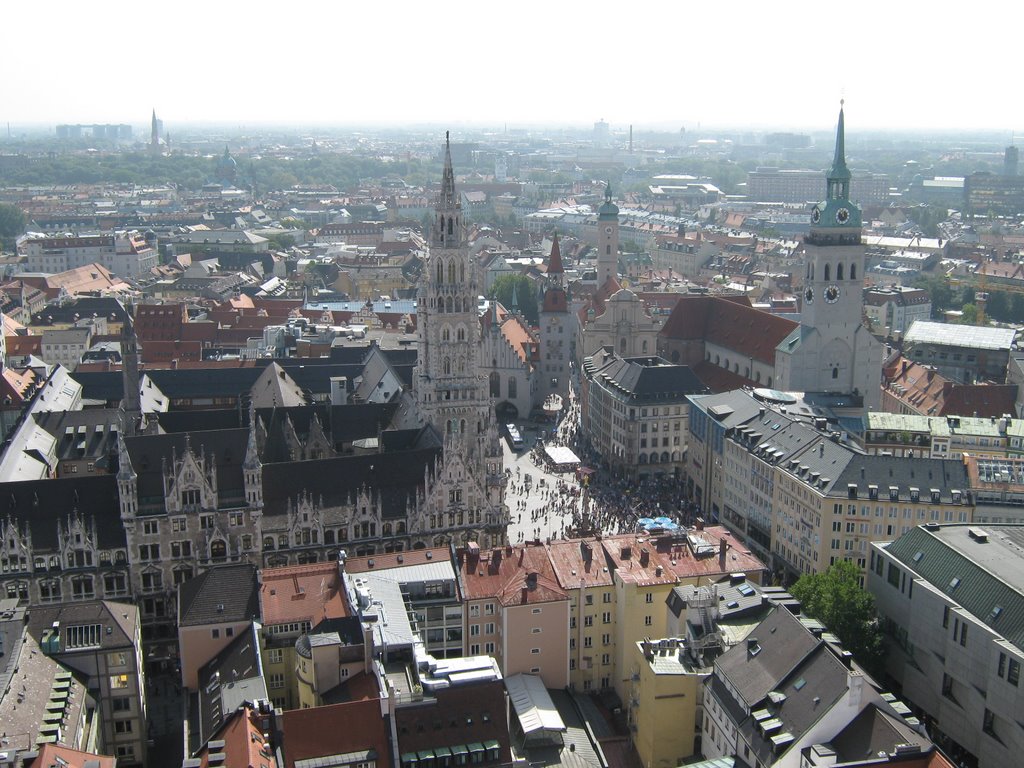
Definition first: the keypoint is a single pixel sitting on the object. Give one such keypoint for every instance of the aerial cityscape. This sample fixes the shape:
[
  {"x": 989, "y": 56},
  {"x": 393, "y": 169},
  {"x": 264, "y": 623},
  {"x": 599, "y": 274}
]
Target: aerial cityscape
[{"x": 433, "y": 435}]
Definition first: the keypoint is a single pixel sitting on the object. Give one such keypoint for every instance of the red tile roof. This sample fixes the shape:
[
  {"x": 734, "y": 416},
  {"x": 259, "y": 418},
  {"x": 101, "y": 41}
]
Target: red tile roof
[
  {"x": 730, "y": 322},
  {"x": 397, "y": 559},
  {"x": 315, "y": 732},
  {"x": 244, "y": 746},
  {"x": 311, "y": 592},
  {"x": 55, "y": 754},
  {"x": 923, "y": 390},
  {"x": 511, "y": 575}
]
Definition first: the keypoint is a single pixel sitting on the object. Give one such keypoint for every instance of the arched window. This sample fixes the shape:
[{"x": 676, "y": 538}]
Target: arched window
[
  {"x": 448, "y": 305},
  {"x": 446, "y": 333},
  {"x": 835, "y": 372},
  {"x": 460, "y": 334},
  {"x": 440, "y": 271},
  {"x": 644, "y": 346},
  {"x": 462, "y": 365},
  {"x": 608, "y": 249},
  {"x": 462, "y": 427},
  {"x": 654, "y": 457},
  {"x": 839, "y": 271},
  {"x": 511, "y": 387},
  {"x": 447, "y": 366},
  {"x": 827, "y": 272},
  {"x": 462, "y": 272},
  {"x": 451, "y": 265},
  {"x": 386, "y": 529},
  {"x": 451, "y": 225},
  {"x": 853, "y": 271},
  {"x": 329, "y": 536},
  {"x": 268, "y": 543},
  {"x": 622, "y": 345},
  {"x": 664, "y": 457}
]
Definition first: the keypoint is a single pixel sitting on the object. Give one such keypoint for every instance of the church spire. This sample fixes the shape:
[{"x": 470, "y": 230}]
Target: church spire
[
  {"x": 555, "y": 259},
  {"x": 447, "y": 197},
  {"x": 839, "y": 170},
  {"x": 447, "y": 231}
]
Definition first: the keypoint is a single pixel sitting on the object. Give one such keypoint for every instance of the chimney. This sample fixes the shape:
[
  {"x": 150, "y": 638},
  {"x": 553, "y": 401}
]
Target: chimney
[
  {"x": 521, "y": 553},
  {"x": 723, "y": 545},
  {"x": 699, "y": 523},
  {"x": 526, "y": 594},
  {"x": 645, "y": 558}
]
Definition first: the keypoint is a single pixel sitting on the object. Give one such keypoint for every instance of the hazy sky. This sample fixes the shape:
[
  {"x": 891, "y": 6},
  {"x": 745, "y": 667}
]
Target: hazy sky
[{"x": 899, "y": 64}]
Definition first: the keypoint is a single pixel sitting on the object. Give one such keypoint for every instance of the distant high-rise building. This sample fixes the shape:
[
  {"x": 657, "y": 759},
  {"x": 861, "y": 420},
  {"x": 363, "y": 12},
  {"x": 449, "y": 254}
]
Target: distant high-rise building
[
  {"x": 602, "y": 134},
  {"x": 1010, "y": 161}
]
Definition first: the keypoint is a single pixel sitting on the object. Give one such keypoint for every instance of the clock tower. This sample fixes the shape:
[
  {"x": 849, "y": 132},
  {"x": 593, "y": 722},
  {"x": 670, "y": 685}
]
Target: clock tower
[
  {"x": 607, "y": 239},
  {"x": 832, "y": 351}
]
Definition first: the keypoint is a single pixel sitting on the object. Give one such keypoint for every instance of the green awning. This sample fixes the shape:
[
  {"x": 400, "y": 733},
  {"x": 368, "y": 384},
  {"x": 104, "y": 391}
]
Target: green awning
[
  {"x": 442, "y": 752},
  {"x": 52, "y": 717},
  {"x": 63, "y": 675},
  {"x": 492, "y": 744},
  {"x": 61, "y": 685},
  {"x": 476, "y": 746},
  {"x": 46, "y": 739},
  {"x": 460, "y": 749},
  {"x": 54, "y": 706},
  {"x": 426, "y": 754},
  {"x": 409, "y": 757},
  {"x": 49, "y": 728}
]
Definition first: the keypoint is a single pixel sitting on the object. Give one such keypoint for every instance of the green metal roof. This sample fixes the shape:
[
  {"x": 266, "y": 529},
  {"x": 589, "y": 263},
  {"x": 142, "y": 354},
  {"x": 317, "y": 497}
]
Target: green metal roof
[{"x": 961, "y": 566}]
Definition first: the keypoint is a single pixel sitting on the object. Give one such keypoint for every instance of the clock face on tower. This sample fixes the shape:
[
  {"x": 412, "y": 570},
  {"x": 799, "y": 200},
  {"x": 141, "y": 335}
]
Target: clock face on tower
[
  {"x": 815, "y": 215},
  {"x": 809, "y": 295},
  {"x": 832, "y": 294},
  {"x": 842, "y": 215},
  {"x": 607, "y": 230}
]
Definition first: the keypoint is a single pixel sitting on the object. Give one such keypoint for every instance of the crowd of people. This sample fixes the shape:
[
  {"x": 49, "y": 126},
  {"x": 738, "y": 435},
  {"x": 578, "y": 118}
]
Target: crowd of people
[{"x": 586, "y": 504}]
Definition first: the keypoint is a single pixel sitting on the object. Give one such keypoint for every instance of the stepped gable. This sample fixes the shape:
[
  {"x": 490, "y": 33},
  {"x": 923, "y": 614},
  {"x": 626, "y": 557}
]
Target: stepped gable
[
  {"x": 45, "y": 504},
  {"x": 394, "y": 476},
  {"x": 730, "y": 322},
  {"x": 151, "y": 454}
]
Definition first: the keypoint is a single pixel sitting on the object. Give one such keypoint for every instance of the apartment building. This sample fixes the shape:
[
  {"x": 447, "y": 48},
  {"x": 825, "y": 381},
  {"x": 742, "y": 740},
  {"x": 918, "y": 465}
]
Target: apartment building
[
  {"x": 950, "y": 601},
  {"x": 811, "y": 497},
  {"x": 127, "y": 253},
  {"x": 636, "y": 412},
  {"x": 516, "y": 611},
  {"x": 940, "y": 437},
  {"x": 102, "y": 642},
  {"x": 292, "y": 600}
]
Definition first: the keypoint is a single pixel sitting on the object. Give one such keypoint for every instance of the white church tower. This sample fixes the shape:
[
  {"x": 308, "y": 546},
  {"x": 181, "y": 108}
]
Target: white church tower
[{"x": 833, "y": 351}]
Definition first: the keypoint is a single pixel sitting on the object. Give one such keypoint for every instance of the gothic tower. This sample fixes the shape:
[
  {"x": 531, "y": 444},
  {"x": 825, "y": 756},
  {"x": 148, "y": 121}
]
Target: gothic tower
[
  {"x": 451, "y": 394},
  {"x": 833, "y": 351},
  {"x": 154, "y": 135},
  {"x": 607, "y": 239},
  {"x": 131, "y": 401},
  {"x": 555, "y": 331}
]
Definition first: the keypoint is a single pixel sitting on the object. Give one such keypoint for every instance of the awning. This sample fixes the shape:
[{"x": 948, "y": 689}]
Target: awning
[
  {"x": 534, "y": 707},
  {"x": 442, "y": 752},
  {"x": 410, "y": 757},
  {"x": 426, "y": 754},
  {"x": 491, "y": 744},
  {"x": 460, "y": 749},
  {"x": 476, "y": 746}
]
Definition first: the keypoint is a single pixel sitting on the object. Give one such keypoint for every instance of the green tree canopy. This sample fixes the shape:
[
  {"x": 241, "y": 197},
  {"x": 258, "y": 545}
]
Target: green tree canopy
[
  {"x": 836, "y": 599},
  {"x": 526, "y": 295},
  {"x": 13, "y": 222}
]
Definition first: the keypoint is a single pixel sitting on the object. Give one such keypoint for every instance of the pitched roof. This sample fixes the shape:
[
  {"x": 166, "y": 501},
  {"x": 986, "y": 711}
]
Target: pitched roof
[
  {"x": 728, "y": 322},
  {"x": 311, "y": 592},
  {"x": 222, "y": 594},
  {"x": 988, "y": 573},
  {"x": 314, "y": 732}
]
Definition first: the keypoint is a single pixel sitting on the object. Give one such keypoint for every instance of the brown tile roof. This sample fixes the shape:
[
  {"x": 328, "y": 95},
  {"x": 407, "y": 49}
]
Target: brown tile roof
[
  {"x": 925, "y": 391},
  {"x": 579, "y": 562},
  {"x": 296, "y": 593},
  {"x": 54, "y": 754},
  {"x": 244, "y": 746},
  {"x": 310, "y": 733},
  {"x": 717, "y": 379},
  {"x": 597, "y": 301},
  {"x": 730, "y": 322},
  {"x": 397, "y": 559},
  {"x": 512, "y": 576}
]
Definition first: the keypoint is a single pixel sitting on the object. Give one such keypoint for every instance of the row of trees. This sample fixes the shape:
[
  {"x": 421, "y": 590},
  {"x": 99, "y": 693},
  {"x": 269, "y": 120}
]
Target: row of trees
[
  {"x": 191, "y": 172},
  {"x": 1002, "y": 306}
]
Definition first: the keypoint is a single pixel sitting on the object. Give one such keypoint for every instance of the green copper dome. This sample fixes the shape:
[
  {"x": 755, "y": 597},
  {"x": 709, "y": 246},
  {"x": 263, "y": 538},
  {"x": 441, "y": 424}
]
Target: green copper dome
[{"x": 608, "y": 209}]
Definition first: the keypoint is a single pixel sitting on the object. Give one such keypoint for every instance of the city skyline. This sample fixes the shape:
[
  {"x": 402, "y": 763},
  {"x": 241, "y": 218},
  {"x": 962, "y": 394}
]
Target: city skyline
[{"x": 666, "y": 66}]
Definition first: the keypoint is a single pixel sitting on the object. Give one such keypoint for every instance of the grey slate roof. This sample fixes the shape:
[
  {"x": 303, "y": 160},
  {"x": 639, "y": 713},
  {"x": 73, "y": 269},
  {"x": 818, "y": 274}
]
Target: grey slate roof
[
  {"x": 222, "y": 594},
  {"x": 44, "y": 504},
  {"x": 991, "y": 573}
]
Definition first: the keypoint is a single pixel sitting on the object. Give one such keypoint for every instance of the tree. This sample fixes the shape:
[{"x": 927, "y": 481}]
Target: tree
[
  {"x": 12, "y": 223},
  {"x": 836, "y": 599},
  {"x": 970, "y": 314},
  {"x": 526, "y": 295}
]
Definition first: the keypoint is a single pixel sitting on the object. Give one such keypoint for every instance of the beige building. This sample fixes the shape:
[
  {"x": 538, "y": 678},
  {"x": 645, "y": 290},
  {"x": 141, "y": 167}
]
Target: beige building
[
  {"x": 620, "y": 321},
  {"x": 292, "y": 600},
  {"x": 516, "y": 611},
  {"x": 214, "y": 608}
]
